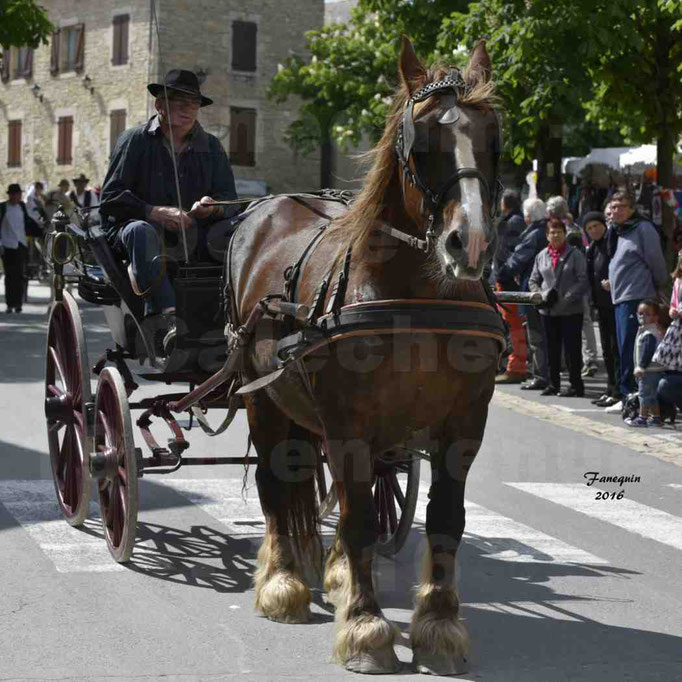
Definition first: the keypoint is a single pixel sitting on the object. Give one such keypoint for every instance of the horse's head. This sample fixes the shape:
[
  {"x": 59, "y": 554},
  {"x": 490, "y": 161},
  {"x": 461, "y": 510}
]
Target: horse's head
[{"x": 448, "y": 148}]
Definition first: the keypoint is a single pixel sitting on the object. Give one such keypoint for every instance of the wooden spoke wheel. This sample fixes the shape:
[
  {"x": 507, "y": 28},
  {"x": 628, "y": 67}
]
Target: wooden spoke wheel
[
  {"x": 67, "y": 390},
  {"x": 117, "y": 464},
  {"x": 395, "y": 488}
]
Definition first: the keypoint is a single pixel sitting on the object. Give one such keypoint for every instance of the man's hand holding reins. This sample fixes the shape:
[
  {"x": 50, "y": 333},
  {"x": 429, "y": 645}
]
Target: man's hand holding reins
[
  {"x": 206, "y": 208},
  {"x": 170, "y": 218}
]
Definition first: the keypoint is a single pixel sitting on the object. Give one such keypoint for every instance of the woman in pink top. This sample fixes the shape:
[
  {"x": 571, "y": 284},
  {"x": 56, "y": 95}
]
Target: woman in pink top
[{"x": 670, "y": 387}]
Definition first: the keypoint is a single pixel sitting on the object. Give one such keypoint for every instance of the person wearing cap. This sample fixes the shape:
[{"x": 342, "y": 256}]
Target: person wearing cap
[
  {"x": 58, "y": 197},
  {"x": 15, "y": 225},
  {"x": 139, "y": 198},
  {"x": 597, "y": 254},
  {"x": 85, "y": 198}
]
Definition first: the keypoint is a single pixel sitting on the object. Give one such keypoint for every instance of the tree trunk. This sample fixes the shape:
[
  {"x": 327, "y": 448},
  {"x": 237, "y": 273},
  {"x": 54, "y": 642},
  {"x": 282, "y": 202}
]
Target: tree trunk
[
  {"x": 326, "y": 159},
  {"x": 665, "y": 148},
  {"x": 665, "y": 143},
  {"x": 549, "y": 158}
]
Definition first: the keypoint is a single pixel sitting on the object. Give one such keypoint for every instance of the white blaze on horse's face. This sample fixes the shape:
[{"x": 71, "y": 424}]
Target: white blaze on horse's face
[{"x": 467, "y": 234}]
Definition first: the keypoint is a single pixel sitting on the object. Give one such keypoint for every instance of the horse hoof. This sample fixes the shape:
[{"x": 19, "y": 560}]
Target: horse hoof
[
  {"x": 299, "y": 618},
  {"x": 440, "y": 664},
  {"x": 377, "y": 662}
]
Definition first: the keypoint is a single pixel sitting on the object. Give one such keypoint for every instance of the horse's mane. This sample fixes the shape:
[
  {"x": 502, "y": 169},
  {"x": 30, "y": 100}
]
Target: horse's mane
[{"x": 359, "y": 221}]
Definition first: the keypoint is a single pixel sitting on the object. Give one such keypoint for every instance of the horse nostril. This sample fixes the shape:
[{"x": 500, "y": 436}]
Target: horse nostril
[{"x": 453, "y": 243}]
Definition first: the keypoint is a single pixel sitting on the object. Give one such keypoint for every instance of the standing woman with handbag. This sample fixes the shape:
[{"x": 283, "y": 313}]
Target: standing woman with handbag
[
  {"x": 560, "y": 274},
  {"x": 669, "y": 351}
]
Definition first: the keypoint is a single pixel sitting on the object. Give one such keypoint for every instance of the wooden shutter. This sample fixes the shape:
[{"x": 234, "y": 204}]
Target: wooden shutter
[
  {"x": 14, "y": 144},
  {"x": 243, "y": 136},
  {"x": 64, "y": 137},
  {"x": 54, "y": 58},
  {"x": 80, "y": 48},
  {"x": 117, "y": 124},
  {"x": 27, "y": 65},
  {"x": 5, "y": 65},
  {"x": 121, "y": 24},
  {"x": 244, "y": 45}
]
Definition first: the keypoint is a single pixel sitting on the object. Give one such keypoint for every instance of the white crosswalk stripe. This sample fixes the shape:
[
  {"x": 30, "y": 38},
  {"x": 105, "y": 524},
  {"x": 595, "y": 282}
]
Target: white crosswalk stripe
[
  {"x": 223, "y": 499},
  {"x": 505, "y": 539},
  {"x": 33, "y": 504},
  {"x": 634, "y": 517}
]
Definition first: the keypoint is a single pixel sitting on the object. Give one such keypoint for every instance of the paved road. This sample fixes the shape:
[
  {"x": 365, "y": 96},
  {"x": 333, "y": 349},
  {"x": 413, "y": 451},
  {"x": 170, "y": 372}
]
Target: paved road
[{"x": 555, "y": 584}]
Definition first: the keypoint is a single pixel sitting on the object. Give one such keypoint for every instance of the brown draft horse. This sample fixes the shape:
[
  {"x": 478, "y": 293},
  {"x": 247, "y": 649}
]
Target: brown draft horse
[{"x": 373, "y": 393}]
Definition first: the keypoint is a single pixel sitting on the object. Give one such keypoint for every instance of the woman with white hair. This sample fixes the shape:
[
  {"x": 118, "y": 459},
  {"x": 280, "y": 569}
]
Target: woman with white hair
[{"x": 519, "y": 266}]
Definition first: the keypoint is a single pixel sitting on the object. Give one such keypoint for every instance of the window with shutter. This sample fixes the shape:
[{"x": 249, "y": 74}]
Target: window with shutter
[
  {"x": 20, "y": 62},
  {"x": 64, "y": 137},
  {"x": 244, "y": 45},
  {"x": 27, "y": 66},
  {"x": 70, "y": 55},
  {"x": 79, "y": 60},
  {"x": 120, "y": 26},
  {"x": 117, "y": 124},
  {"x": 54, "y": 56},
  {"x": 14, "y": 144},
  {"x": 5, "y": 64},
  {"x": 242, "y": 136}
]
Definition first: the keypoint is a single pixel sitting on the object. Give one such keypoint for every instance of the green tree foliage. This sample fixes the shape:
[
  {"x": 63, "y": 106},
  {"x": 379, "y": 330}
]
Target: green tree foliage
[
  {"x": 347, "y": 79},
  {"x": 636, "y": 65},
  {"x": 22, "y": 22}
]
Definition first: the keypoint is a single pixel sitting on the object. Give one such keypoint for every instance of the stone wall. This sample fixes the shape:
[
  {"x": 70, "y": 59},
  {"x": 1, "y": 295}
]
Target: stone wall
[{"x": 193, "y": 34}]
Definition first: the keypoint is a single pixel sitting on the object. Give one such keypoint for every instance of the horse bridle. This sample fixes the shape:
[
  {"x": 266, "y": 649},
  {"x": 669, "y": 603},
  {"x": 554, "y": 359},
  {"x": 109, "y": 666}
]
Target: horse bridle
[{"x": 432, "y": 201}]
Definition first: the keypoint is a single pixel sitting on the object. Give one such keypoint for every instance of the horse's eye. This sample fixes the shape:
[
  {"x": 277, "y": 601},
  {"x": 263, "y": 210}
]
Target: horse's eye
[{"x": 450, "y": 116}]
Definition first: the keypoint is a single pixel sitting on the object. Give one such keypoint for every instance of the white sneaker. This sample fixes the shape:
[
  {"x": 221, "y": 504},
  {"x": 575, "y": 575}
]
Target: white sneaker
[{"x": 615, "y": 409}]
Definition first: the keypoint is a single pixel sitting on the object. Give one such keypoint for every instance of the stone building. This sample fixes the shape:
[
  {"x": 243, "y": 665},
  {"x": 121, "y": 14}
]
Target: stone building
[{"x": 63, "y": 105}]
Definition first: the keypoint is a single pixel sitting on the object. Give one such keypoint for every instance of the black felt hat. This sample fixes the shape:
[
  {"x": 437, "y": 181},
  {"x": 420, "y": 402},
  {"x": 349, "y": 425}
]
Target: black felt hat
[
  {"x": 14, "y": 187},
  {"x": 593, "y": 215},
  {"x": 180, "y": 80},
  {"x": 81, "y": 178}
]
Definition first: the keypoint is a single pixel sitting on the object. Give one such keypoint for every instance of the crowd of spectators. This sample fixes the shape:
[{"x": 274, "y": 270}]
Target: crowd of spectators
[
  {"x": 611, "y": 270},
  {"x": 22, "y": 221}
]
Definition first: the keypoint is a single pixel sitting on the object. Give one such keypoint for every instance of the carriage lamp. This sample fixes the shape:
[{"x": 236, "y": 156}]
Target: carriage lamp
[
  {"x": 36, "y": 92},
  {"x": 87, "y": 84}
]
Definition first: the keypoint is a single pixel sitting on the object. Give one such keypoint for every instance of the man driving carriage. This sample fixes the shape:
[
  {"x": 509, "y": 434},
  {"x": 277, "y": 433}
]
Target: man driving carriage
[{"x": 140, "y": 195}]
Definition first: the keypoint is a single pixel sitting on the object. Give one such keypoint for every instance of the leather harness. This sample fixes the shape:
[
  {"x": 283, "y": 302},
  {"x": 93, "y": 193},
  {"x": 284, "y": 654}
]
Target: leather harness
[{"x": 398, "y": 316}]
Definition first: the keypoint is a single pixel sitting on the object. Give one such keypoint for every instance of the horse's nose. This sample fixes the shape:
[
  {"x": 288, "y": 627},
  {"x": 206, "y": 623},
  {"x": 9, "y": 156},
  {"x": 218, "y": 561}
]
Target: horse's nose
[
  {"x": 453, "y": 243},
  {"x": 473, "y": 242},
  {"x": 477, "y": 244}
]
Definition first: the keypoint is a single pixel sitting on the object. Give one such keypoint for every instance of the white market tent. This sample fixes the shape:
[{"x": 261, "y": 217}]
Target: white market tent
[
  {"x": 624, "y": 159},
  {"x": 606, "y": 156},
  {"x": 639, "y": 158}
]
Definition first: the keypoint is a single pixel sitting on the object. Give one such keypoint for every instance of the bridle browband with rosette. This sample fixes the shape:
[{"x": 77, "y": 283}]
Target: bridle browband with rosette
[{"x": 433, "y": 200}]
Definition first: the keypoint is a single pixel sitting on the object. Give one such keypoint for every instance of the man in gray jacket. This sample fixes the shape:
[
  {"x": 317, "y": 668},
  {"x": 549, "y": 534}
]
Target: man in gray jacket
[{"x": 637, "y": 271}]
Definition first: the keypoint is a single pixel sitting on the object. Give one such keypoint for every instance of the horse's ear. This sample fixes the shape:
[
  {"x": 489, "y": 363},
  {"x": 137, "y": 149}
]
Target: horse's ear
[
  {"x": 412, "y": 71},
  {"x": 479, "y": 68}
]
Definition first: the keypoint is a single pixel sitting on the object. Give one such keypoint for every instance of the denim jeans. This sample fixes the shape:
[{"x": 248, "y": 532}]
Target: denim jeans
[
  {"x": 647, "y": 386},
  {"x": 143, "y": 245},
  {"x": 626, "y": 331}
]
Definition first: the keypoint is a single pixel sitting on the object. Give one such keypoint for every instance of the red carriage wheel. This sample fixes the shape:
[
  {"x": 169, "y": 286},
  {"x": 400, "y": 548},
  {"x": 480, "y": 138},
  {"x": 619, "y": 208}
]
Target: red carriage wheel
[
  {"x": 67, "y": 391},
  {"x": 396, "y": 489},
  {"x": 116, "y": 464}
]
